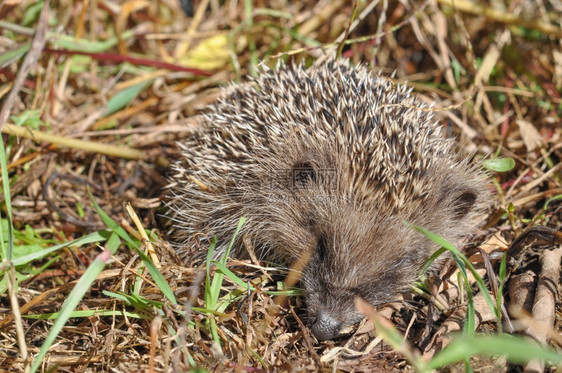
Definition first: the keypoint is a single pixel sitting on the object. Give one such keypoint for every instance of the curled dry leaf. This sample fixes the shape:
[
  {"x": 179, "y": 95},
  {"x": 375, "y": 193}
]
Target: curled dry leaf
[{"x": 531, "y": 137}]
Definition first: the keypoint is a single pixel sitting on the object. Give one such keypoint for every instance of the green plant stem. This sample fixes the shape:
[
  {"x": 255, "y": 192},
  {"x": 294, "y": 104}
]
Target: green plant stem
[{"x": 90, "y": 146}]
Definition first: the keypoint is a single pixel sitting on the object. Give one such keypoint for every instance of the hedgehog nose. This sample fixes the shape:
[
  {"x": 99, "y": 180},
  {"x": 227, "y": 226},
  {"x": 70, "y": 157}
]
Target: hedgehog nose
[{"x": 325, "y": 327}]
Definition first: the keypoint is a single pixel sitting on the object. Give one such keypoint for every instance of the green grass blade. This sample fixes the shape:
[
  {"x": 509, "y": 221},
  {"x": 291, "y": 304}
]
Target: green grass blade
[
  {"x": 218, "y": 277},
  {"x": 149, "y": 264},
  {"x": 517, "y": 350},
  {"x": 6, "y": 251},
  {"x": 110, "y": 223},
  {"x": 123, "y": 97},
  {"x": 157, "y": 276},
  {"x": 457, "y": 254},
  {"x": 76, "y": 296},
  {"x": 15, "y": 54},
  {"x": 249, "y": 15},
  {"x": 227, "y": 253},
  {"x": 499, "y": 295},
  {"x": 431, "y": 259},
  {"x": 550, "y": 200},
  {"x": 470, "y": 325},
  {"x": 85, "y": 45},
  {"x": 237, "y": 280},
  {"x": 84, "y": 240},
  {"x": 89, "y": 313},
  {"x": 209, "y": 296},
  {"x": 213, "y": 287}
]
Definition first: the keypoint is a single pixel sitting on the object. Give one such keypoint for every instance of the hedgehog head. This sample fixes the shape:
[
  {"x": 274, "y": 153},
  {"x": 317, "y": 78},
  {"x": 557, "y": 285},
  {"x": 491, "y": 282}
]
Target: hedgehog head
[{"x": 357, "y": 242}]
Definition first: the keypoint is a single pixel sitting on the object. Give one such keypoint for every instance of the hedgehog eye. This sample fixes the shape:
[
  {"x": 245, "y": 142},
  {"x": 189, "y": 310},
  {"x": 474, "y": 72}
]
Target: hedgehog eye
[
  {"x": 463, "y": 204},
  {"x": 321, "y": 247},
  {"x": 303, "y": 173},
  {"x": 311, "y": 223}
]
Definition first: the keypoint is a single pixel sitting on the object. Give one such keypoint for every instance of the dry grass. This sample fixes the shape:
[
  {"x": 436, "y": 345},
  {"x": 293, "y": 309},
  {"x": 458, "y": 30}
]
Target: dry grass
[{"x": 100, "y": 93}]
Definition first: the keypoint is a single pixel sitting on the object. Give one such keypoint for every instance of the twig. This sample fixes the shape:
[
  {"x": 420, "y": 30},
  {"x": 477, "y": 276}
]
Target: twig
[
  {"x": 31, "y": 57},
  {"x": 10, "y": 282},
  {"x": 543, "y": 235},
  {"x": 133, "y": 60},
  {"x": 319, "y": 19},
  {"x": 503, "y": 17},
  {"x": 545, "y": 303},
  {"x": 183, "y": 47}
]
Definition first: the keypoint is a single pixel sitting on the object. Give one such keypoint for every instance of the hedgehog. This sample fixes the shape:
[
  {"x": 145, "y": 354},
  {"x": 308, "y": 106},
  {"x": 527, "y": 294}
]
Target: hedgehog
[{"x": 328, "y": 161}]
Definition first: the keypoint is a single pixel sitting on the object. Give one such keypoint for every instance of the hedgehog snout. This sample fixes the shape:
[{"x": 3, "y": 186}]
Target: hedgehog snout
[{"x": 324, "y": 326}]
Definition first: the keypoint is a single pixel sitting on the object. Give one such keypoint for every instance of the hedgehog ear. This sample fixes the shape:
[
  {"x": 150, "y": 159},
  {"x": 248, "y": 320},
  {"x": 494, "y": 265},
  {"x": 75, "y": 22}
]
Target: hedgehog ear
[
  {"x": 463, "y": 204},
  {"x": 302, "y": 173}
]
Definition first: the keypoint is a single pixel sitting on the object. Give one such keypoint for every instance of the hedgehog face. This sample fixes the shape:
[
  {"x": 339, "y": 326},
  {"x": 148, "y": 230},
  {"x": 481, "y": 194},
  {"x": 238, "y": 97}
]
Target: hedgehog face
[
  {"x": 360, "y": 249},
  {"x": 372, "y": 260}
]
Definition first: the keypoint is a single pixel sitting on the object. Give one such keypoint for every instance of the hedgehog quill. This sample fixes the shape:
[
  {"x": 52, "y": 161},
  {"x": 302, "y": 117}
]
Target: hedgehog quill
[{"x": 327, "y": 161}]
